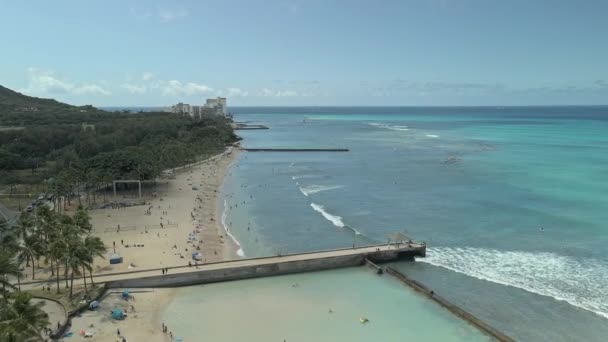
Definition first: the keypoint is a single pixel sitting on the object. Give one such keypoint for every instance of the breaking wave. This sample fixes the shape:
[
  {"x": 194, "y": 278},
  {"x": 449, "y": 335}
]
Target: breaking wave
[
  {"x": 391, "y": 127},
  {"x": 303, "y": 176},
  {"x": 336, "y": 220},
  {"x": 580, "y": 282},
  {"x": 432, "y": 136},
  {"x": 313, "y": 189},
  {"x": 240, "y": 251}
]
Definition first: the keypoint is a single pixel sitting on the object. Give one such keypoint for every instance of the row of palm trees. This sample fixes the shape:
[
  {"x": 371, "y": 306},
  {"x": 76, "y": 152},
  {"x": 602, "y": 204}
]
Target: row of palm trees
[
  {"x": 20, "y": 318},
  {"x": 63, "y": 241}
]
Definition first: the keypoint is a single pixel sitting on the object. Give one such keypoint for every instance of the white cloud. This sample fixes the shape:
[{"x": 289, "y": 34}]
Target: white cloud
[
  {"x": 278, "y": 93},
  {"x": 236, "y": 92},
  {"x": 92, "y": 89},
  {"x": 45, "y": 82},
  {"x": 134, "y": 89},
  {"x": 286, "y": 93},
  {"x": 175, "y": 87},
  {"x": 167, "y": 15},
  {"x": 140, "y": 15},
  {"x": 147, "y": 76}
]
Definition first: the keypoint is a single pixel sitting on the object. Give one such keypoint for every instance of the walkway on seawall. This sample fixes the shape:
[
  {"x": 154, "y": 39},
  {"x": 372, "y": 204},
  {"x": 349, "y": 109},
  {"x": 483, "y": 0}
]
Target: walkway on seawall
[{"x": 252, "y": 268}]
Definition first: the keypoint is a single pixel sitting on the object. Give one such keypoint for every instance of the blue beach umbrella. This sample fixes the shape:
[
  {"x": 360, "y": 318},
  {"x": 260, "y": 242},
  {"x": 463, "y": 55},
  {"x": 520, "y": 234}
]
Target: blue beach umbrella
[{"x": 118, "y": 314}]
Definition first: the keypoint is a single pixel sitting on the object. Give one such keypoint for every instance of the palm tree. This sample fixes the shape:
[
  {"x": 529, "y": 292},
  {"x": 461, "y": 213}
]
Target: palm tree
[
  {"x": 82, "y": 220},
  {"x": 84, "y": 259},
  {"x": 24, "y": 225},
  {"x": 8, "y": 267},
  {"x": 8, "y": 242},
  {"x": 29, "y": 250},
  {"x": 56, "y": 251},
  {"x": 48, "y": 229},
  {"x": 21, "y": 320},
  {"x": 95, "y": 247},
  {"x": 76, "y": 259}
]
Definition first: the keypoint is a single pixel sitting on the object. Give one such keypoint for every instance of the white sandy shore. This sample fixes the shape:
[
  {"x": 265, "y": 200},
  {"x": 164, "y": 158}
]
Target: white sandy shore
[
  {"x": 143, "y": 322},
  {"x": 188, "y": 209},
  {"x": 182, "y": 218}
]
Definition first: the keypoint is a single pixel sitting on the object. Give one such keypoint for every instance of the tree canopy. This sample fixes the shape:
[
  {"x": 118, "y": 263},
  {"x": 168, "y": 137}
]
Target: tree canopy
[{"x": 64, "y": 143}]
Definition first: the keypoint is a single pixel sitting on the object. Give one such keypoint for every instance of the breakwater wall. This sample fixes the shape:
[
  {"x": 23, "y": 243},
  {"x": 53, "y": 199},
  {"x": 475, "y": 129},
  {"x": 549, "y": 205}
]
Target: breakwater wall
[
  {"x": 295, "y": 149},
  {"x": 250, "y": 127},
  {"x": 456, "y": 310},
  {"x": 273, "y": 266}
]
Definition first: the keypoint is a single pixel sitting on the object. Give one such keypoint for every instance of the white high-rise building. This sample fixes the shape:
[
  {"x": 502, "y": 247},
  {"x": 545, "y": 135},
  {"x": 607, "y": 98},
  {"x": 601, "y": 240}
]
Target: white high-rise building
[
  {"x": 215, "y": 106},
  {"x": 218, "y": 105}
]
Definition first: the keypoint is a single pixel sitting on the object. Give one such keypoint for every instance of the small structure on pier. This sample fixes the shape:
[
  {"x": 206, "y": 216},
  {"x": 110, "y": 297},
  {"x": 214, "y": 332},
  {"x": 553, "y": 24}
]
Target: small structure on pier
[{"x": 398, "y": 238}]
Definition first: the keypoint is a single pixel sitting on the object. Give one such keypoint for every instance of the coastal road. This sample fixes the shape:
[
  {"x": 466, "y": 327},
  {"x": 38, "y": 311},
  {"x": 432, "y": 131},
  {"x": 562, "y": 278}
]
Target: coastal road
[{"x": 102, "y": 278}]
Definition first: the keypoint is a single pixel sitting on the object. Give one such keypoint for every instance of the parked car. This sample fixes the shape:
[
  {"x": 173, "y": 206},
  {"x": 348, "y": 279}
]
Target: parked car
[{"x": 29, "y": 208}]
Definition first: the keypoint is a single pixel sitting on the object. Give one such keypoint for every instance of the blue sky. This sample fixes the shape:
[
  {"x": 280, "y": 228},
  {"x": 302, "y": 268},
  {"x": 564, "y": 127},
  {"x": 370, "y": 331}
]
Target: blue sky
[{"x": 309, "y": 52}]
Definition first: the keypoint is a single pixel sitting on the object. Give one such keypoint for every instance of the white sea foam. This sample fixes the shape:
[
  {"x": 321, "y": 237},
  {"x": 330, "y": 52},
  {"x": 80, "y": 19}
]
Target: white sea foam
[
  {"x": 303, "y": 176},
  {"x": 240, "y": 251},
  {"x": 432, "y": 136},
  {"x": 336, "y": 220},
  {"x": 391, "y": 127},
  {"x": 313, "y": 189},
  {"x": 580, "y": 282}
]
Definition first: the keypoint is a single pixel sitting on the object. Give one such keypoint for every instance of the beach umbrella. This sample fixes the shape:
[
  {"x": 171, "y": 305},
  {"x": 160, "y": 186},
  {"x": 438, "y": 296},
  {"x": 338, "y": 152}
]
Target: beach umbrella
[
  {"x": 125, "y": 294},
  {"x": 118, "y": 314},
  {"x": 197, "y": 256}
]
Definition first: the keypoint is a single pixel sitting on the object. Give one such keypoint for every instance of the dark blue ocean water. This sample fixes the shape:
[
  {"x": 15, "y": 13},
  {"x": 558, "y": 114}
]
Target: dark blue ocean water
[{"x": 477, "y": 184}]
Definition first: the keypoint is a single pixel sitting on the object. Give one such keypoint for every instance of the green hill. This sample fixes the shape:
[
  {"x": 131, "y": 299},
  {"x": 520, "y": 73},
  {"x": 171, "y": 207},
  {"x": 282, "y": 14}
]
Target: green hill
[{"x": 17, "y": 109}]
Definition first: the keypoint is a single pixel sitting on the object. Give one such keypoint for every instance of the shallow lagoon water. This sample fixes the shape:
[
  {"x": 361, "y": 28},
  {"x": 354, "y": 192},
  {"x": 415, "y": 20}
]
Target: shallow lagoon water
[{"x": 273, "y": 309}]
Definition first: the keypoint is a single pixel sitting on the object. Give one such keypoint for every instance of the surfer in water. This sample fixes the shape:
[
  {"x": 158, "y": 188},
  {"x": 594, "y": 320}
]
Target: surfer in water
[{"x": 542, "y": 229}]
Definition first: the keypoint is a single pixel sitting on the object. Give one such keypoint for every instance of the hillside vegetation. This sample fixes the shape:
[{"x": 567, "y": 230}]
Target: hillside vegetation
[
  {"x": 65, "y": 146},
  {"x": 17, "y": 109}
]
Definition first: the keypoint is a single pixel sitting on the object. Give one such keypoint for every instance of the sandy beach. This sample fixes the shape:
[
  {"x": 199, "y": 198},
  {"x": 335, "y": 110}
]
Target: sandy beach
[{"x": 181, "y": 218}]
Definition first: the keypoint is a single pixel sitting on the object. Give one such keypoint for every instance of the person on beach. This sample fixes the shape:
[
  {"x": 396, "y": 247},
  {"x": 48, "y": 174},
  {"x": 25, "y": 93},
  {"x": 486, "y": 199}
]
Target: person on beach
[{"x": 117, "y": 332}]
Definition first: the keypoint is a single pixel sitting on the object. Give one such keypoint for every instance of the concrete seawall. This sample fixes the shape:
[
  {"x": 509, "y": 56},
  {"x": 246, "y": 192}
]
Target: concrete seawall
[
  {"x": 456, "y": 310},
  {"x": 273, "y": 266}
]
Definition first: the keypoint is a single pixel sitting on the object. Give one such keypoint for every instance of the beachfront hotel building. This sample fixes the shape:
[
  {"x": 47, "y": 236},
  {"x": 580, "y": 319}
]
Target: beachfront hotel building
[{"x": 215, "y": 106}]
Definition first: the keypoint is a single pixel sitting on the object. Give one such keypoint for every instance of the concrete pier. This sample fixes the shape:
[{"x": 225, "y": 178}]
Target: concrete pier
[
  {"x": 250, "y": 127},
  {"x": 295, "y": 149},
  {"x": 262, "y": 267},
  {"x": 246, "y": 126}
]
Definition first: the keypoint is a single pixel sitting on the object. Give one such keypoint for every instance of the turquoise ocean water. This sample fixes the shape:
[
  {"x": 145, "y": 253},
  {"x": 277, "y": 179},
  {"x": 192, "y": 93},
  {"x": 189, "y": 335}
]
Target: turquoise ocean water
[{"x": 477, "y": 184}]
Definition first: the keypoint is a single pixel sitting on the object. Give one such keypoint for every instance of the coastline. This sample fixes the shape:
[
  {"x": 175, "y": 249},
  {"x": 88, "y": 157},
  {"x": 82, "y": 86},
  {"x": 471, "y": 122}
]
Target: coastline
[{"x": 197, "y": 219}]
